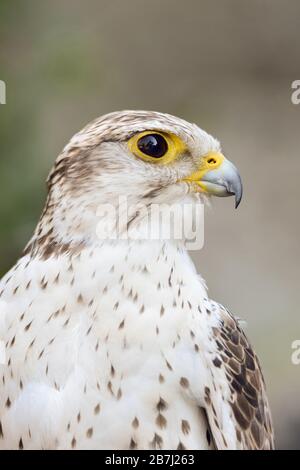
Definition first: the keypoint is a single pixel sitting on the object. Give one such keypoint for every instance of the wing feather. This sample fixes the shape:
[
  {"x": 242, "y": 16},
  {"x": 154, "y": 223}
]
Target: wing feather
[{"x": 248, "y": 401}]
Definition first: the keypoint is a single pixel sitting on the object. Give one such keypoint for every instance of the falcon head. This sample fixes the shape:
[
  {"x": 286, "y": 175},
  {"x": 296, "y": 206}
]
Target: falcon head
[
  {"x": 143, "y": 155},
  {"x": 131, "y": 152}
]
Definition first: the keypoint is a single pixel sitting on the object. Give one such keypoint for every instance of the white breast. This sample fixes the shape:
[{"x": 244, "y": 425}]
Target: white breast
[{"x": 105, "y": 350}]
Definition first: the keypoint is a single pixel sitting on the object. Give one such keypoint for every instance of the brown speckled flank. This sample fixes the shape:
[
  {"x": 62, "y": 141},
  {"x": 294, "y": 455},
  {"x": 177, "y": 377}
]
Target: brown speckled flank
[{"x": 114, "y": 344}]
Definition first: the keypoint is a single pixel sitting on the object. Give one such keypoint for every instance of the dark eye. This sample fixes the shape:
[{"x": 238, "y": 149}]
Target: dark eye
[{"x": 154, "y": 145}]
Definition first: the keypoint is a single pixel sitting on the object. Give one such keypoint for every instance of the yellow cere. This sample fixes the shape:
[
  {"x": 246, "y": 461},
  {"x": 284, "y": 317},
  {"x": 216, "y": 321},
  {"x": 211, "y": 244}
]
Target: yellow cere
[
  {"x": 211, "y": 161},
  {"x": 175, "y": 147}
]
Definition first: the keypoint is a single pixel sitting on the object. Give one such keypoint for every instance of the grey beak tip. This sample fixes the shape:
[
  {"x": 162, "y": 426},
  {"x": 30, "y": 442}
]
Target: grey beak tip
[
  {"x": 238, "y": 198},
  {"x": 238, "y": 193},
  {"x": 237, "y": 189}
]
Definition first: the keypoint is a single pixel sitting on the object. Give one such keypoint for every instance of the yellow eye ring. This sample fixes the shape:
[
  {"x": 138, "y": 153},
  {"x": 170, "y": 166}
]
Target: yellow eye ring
[{"x": 156, "y": 147}]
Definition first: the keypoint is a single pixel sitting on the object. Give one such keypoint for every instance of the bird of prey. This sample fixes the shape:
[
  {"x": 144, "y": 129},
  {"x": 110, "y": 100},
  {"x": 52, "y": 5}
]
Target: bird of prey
[{"x": 112, "y": 342}]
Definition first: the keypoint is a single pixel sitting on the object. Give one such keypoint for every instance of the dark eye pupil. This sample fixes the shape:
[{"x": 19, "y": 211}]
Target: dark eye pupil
[{"x": 154, "y": 145}]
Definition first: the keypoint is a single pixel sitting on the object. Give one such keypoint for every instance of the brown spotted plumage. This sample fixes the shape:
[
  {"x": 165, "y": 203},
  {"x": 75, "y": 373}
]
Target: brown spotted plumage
[{"x": 248, "y": 399}]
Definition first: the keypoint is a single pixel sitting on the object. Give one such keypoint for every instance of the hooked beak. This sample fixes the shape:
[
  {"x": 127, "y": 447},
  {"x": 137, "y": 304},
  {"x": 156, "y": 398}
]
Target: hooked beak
[{"x": 217, "y": 176}]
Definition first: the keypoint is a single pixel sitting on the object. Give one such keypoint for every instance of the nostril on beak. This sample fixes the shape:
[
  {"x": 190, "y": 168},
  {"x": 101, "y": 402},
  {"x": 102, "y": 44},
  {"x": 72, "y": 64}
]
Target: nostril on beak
[{"x": 212, "y": 160}]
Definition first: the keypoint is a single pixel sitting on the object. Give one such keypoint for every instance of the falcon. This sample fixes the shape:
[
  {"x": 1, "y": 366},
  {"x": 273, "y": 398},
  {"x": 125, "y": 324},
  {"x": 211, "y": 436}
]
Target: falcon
[{"x": 111, "y": 342}]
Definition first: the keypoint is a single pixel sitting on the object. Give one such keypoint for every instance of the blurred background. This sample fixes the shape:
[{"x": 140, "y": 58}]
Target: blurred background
[{"x": 226, "y": 65}]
